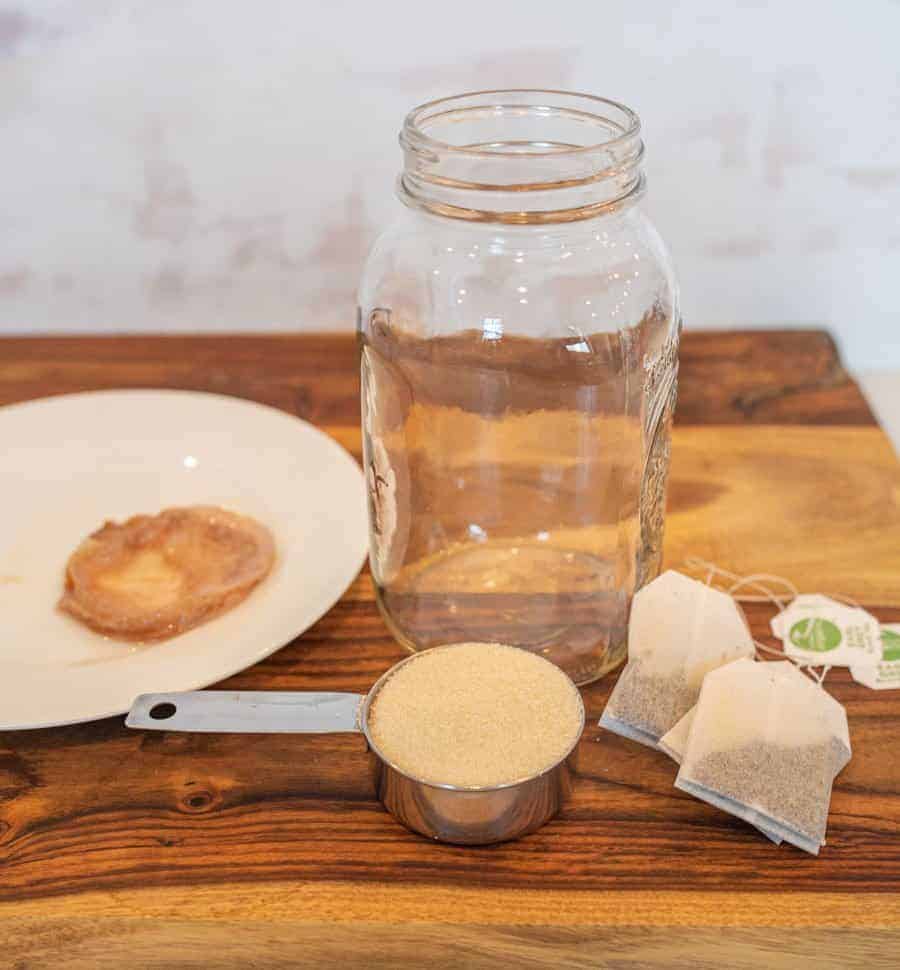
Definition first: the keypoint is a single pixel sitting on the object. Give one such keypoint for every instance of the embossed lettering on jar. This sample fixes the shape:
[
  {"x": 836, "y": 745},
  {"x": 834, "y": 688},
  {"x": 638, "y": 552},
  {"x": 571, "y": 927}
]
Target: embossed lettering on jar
[{"x": 519, "y": 329}]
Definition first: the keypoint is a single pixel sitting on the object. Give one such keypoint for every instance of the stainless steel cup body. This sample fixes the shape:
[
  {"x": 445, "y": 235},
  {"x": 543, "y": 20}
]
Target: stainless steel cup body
[
  {"x": 467, "y": 816},
  {"x": 472, "y": 817}
]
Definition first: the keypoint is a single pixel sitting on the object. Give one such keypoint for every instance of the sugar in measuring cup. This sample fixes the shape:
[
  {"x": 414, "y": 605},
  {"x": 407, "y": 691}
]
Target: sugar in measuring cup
[{"x": 469, "y": 743}]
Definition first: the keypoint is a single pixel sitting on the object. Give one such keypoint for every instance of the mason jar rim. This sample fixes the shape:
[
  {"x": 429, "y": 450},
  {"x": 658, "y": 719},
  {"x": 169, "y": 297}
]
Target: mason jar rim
[{"x": 414, "y": 134}]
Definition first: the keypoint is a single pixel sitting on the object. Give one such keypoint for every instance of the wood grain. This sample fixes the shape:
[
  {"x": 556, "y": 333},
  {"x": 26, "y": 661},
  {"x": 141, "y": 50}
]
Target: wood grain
[
  {"x": 730, "y": 377},
  {"x": 201, "y": 944},
  {"x": 271, "y": 850},
  {"x": 820, "y": 505},
  {"x": 773, "y": 377},
  {"x": 276, "y": 901}
]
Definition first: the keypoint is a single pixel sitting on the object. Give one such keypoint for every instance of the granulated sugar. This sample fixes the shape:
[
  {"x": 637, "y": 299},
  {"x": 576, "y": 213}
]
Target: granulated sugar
[{"x": 476, "y": 715}]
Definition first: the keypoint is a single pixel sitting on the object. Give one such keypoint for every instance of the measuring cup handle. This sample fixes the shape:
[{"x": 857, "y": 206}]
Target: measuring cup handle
[{"x": 247, "y": 712}]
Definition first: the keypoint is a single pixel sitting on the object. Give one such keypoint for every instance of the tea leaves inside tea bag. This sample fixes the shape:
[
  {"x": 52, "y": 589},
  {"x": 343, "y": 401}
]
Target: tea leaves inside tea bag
[
  {"x": 675, "y": 743},
  {"x": 680, "y": 629},
  {"x": 765, "y": 745}
]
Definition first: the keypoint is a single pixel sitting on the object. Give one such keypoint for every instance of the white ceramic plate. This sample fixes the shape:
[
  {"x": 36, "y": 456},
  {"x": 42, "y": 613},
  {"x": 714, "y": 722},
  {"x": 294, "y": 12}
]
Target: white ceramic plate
[{"x": 69, "y": 463}]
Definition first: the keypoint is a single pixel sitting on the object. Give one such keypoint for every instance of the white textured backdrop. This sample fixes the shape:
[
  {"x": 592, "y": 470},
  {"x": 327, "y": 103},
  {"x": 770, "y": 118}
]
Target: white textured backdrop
[{"x": 217, "y": 165}]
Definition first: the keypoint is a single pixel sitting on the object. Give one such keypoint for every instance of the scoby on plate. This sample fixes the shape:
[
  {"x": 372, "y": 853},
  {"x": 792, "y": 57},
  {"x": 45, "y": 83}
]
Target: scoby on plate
[{"x": 155, "y": 576}]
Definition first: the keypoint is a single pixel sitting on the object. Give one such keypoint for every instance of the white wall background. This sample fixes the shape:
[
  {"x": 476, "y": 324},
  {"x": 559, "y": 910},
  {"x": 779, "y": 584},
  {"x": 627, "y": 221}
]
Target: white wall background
[{"x": 218, "y": 165}]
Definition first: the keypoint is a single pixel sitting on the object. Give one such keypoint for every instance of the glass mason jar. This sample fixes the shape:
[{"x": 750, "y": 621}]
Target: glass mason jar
[{"x": 519, "y": 329}]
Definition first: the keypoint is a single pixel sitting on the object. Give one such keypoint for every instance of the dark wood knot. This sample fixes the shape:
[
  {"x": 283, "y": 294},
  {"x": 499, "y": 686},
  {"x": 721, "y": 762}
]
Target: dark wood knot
[{"x": 198, "y": 801}]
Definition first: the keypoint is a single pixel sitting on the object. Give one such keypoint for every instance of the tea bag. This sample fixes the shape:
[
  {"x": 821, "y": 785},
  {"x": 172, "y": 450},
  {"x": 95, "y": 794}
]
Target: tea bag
[
  {"x": 765, "y": 745},
  {"x": 675, "y": 743},
  {"x": 680, "y": 629},
  {"x": 885, "y": 674}
]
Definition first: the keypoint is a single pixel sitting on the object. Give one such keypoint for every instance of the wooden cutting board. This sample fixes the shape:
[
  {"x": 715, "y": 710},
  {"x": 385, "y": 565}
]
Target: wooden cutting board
[{"x": 162, "y": 850}]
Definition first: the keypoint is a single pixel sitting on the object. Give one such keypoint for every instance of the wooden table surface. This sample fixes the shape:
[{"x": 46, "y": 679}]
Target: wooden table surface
[{"x": 164, "y": 850}]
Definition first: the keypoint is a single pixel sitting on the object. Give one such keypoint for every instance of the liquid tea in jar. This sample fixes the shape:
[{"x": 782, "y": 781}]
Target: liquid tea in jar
[{"x": 519, "y": 330}]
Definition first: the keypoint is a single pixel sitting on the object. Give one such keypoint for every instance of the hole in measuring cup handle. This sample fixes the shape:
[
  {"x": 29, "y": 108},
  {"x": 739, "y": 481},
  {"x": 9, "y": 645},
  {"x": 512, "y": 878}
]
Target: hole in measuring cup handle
[{"x": 162, "y": 711}]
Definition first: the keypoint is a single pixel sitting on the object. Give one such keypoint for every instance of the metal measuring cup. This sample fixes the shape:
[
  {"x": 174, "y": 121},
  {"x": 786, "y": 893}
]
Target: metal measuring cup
[{"x": 448, "y": 813}]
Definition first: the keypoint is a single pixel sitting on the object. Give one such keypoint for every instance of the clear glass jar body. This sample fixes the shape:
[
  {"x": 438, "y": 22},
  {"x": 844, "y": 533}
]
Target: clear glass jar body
[{"x": 518, "y": 379}]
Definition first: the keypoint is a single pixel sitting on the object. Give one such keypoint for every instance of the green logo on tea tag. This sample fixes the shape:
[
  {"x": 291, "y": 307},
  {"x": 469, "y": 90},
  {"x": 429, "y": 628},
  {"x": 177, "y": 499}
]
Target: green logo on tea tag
[
  {"x": 890, "y": 645},
  {"x": 816, "y": 635}
]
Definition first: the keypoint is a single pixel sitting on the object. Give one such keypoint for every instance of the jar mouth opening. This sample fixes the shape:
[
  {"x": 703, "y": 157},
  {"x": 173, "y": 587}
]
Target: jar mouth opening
[
  {"x": 521, "y": 156},
  {"x": 584, "y": 123}
]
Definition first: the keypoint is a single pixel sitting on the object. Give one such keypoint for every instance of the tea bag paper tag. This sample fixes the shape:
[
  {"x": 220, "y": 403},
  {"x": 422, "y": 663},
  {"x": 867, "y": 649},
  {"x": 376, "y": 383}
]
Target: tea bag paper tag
[
  {"x": 816, "y": 630},
  {"x": 884, "y": 675}
]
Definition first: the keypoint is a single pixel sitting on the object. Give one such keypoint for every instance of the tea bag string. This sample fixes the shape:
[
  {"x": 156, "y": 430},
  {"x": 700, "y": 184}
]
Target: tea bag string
[
  {"x": 760, "y": 582},
  {"x": 753, "y": 581},
  {"x": 843, "y": 598},
  {"x": 817, "y": 676}
]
